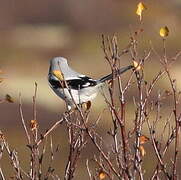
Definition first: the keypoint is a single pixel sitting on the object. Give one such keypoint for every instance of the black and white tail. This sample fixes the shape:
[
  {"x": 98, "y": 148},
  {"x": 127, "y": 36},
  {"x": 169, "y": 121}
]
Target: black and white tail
[{"x": 119, "y": 72}]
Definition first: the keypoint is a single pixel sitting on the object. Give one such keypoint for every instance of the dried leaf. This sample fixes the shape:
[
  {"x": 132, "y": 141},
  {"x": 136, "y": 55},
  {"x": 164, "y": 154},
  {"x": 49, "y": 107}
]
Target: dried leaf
[
  {"x": 1, "y": 136},
  {"x": 58, "y": 74},
  {"x": 168, "y": 93},
  {"x": 136, "y": 65},
  {"x": 164, "y": 31},
  {"x": 140, "y": 7},
  {"x": 1, "y": 80},
  {"x": 33, "y": 125},
  {"x": 143, "y": 139},
  {"x": 142, "y": 151},
  {"x": 102, "y": 175},
  {"x": 110, "y": 82},
  {"x": 88, "y": 105},
  {"x": 9, "y": 99}
]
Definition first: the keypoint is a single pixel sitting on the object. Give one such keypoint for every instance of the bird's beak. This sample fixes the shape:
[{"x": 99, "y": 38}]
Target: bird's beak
[{"x": 58, "y": 74}]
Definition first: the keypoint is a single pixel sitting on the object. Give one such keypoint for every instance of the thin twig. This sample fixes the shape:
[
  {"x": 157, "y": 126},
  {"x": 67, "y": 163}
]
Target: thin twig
[{"x": 23, "y": 121}]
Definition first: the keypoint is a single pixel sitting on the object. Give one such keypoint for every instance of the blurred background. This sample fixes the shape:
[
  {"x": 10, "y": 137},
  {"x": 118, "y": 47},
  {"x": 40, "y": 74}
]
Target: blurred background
[{"x": 32, "y": 32}]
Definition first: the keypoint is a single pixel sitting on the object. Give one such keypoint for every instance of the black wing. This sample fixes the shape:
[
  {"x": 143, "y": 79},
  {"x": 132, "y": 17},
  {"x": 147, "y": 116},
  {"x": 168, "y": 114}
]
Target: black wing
[
  {"x": 81, "y": 83},
  {"x": 76, "y": 84}
]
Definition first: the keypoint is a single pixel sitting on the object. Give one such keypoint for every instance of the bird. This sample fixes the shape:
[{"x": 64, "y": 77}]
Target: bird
[{"x": 73, "y": 87}]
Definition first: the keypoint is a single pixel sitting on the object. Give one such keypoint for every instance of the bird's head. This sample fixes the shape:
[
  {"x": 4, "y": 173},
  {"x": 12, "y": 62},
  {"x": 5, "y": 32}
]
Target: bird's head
[{"x": 56, "y": 65}]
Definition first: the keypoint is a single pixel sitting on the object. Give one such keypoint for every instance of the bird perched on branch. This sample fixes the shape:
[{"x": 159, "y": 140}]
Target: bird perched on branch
[{"x": 73, "y": 87}]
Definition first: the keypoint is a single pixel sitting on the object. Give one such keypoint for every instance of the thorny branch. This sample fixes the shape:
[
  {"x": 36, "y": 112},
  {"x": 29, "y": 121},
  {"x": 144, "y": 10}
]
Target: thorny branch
[{"x": 124, "y": 157}]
